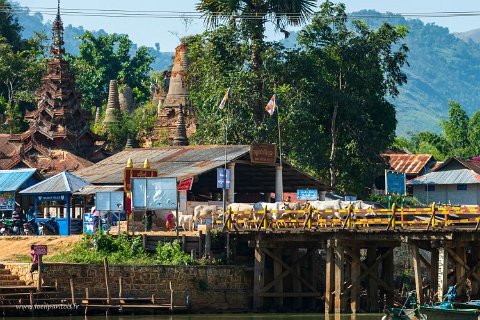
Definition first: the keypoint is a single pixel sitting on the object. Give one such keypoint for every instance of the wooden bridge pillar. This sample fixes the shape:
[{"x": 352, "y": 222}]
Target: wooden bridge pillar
[
  {"x": 387, "y": 276},
  {"x": 460, "y": 258},
  {"x": 340, "y": 300},
  {"x": 355, "y": 276},
  {"x": 258, "y": 277},
  {"x": 417, "y": 269},
  {"x": 277, "y": 272},
  {"x": 329, "y": 277},
  {"x": 434, "y": 270},
  {"x": 372, "y": 289}
]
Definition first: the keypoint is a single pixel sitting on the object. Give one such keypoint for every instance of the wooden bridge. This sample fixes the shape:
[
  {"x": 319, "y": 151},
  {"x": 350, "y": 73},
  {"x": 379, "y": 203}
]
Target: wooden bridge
[{"x": 311, "y": 259}]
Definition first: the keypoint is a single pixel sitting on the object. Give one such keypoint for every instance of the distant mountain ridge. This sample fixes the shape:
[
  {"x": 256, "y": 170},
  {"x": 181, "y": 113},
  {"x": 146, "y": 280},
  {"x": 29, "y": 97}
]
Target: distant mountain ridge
[
  {"x": 34, "y": 22},
  {"x": 473, "y": 35},
  {"x": 441, "y": 67}
]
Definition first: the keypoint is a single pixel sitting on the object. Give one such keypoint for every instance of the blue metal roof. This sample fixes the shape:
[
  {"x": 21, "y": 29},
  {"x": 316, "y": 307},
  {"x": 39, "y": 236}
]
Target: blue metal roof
[
  {"x": 12, "y": 180},
  {"x": 458, "y": 176},
  {"x": 64, "y": 182}
]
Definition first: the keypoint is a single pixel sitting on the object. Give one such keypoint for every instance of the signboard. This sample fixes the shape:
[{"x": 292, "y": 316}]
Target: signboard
[
  {"x": 40, "y": 249},
  {"x": 185, "y": 184},
  {"x": 154, "y": 193},
  {"x": 304, "y": 194},
  {"x": 263, "y": 153},
  {"x": 109, "y": 201},
  {"x": 351, "y": 198},
  {"x": 395, "y": 182},
  {"x": 130, "y": 173},
  {"x": 7, "y": 201},
  {"x": 221, "y": 178},
  {"x": 57, "y": 197}
]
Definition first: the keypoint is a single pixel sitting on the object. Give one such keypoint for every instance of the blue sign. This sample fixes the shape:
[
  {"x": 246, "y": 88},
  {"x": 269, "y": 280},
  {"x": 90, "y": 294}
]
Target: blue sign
[
  {"x": 307, "y": 194},
  {"x": 221, "y": 178},
  {"x": 395, "y": 182},
  {"x": 57, "y": 197},
  {"x": 351, "y": 198}
]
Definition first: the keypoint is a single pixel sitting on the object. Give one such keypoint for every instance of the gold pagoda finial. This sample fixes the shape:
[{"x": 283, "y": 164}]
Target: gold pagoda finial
[
  {"x": 146, "y": 164},
  {"x": 129, "y": 163}
]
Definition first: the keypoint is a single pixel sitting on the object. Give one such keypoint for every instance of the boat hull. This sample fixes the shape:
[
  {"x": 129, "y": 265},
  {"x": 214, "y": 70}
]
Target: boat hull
[
  {"x": 429, "y": 313},
  {"x": 404, "y": 314}
]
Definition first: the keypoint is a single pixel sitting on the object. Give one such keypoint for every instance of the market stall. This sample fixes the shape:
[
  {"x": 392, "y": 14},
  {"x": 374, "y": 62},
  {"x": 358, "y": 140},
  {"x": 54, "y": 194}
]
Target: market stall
[{"x": 13, "y": 181}]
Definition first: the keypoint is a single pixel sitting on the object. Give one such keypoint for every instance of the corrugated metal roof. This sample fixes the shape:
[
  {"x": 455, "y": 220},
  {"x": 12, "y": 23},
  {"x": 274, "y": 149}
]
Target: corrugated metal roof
[
  {"x": 12, "y": 180},
  {"x": 459, "y": 176},
  {"x": 90, "y": 190},
  {"x": 179, "y": 162},
  {"x": 64, "y": 182},
  {"x": 407, "y": 163}
]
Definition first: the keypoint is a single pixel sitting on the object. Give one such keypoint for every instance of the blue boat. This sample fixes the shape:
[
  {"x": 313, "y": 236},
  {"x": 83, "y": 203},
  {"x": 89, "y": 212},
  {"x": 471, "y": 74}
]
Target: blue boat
[{"x": 446, "y": 310}]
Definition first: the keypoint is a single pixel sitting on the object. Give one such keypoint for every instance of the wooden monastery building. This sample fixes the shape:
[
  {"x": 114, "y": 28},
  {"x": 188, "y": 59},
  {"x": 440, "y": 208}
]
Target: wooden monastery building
[{"x": 58, "y": 137}]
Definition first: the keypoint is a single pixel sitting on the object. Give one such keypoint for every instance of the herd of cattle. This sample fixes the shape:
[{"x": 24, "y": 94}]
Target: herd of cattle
[{"x": 253, "y": 212}]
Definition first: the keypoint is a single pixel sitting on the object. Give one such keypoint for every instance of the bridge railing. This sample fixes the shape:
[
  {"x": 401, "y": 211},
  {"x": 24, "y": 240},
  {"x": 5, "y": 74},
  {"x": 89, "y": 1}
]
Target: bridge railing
[{"x": 432, "y": 217}]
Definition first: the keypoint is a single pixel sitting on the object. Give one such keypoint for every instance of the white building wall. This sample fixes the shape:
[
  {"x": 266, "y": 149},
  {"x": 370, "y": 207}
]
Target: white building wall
[{"x": 445, "y": 193}]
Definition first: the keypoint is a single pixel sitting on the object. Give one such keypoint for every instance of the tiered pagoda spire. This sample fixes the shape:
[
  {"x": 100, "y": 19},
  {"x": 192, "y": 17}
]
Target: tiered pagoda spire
[{"x": 58, "y": 125}]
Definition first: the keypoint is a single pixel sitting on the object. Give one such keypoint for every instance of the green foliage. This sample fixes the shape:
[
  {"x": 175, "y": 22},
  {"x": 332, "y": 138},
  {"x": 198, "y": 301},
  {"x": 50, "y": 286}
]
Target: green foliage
[
  {"x": 107, "y": 57},
  {"x": 172, "y": 253},
  {"x": 9, "y": 27},
  {"x": 400, "y": 201},
  {"x": 366, "y": 61},
  {"x": 93, "y": 249},
  {"x": 456, "y": 129}
]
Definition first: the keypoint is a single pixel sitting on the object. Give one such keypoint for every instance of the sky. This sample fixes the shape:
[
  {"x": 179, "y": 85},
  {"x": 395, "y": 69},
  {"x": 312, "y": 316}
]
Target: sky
[{"x": 166, "y": 31}]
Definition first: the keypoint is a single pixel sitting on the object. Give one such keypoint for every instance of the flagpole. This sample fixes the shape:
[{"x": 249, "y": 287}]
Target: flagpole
[
  {"x": 224, "y": 190},
  {"x": 279, "y": 197}
]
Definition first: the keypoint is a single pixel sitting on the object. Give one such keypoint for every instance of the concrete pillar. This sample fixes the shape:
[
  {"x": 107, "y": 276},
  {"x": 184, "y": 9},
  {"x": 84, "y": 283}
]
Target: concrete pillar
[
  {"x": 182, "y": 201},
  {"x": 231, "y": 191},
  {"x": 278, "y": 182},
  {"x": 442, "y": 272}
]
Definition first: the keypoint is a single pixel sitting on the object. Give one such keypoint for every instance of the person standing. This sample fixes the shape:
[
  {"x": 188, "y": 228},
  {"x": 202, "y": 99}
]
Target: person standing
[
  {"x": 31, "y": 214},
  {"x": 17, "y": 219},
  {"x": 96, "y": 219}
]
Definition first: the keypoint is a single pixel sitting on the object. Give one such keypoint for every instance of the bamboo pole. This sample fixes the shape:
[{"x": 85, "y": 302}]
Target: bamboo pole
[{"x": 105, "y": 265}]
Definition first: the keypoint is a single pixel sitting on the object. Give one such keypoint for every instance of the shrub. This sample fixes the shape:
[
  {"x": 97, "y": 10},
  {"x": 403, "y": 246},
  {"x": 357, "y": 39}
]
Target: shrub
[{"x": 172, "y": 254}]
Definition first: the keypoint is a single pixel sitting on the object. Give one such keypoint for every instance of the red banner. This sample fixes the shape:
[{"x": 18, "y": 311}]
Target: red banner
[{"x": 185, "y": 184}]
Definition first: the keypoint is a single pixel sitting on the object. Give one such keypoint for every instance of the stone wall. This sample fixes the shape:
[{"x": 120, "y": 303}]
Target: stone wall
[{"x": 210, "y": 288}]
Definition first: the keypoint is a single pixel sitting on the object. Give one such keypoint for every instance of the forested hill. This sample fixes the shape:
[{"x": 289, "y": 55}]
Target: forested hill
[
  {"x": 442, "y": 67},
  {"x": 35, "y": 22}
]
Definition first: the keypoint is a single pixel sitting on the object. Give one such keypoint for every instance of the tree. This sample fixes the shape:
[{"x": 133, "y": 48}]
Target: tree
[
  {"x": 20, "y": 73},
  {"x": 456, "y": 129},
  {"x": 347, "y": 71},
  {"x": 108, "y": 57},
  {"x": 252, "y": 17},
  {"x": 474, "y": 134},
  {"x": 9, "y": 27}
]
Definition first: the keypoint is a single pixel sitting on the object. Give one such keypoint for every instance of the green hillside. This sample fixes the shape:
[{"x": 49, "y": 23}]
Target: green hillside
[
  {"x": 442, "y": 67},
  {"x": 473, "y": 35}
]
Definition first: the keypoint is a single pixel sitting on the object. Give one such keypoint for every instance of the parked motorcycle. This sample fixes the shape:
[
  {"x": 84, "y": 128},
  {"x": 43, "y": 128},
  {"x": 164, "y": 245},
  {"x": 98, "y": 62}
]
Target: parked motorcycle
[
  {"x": 30, "y": 228},
  {"x": 49, "y": 227},
  {"x": 8, "y": 228}
]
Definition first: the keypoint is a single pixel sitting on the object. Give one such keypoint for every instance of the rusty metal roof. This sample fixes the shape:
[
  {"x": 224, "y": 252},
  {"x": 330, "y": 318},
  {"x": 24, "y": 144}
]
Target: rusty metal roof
[
  {"x": 179, "y": 162},
  {"x": 407, "y": 163}
]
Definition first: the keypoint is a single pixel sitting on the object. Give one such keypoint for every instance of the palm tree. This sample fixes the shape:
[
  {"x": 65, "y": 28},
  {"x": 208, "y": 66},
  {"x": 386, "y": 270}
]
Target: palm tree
[{"x": 253, "y": 15}]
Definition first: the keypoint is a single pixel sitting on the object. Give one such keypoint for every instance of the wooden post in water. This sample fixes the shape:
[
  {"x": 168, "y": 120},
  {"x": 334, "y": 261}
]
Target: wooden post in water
[
  {"x": 417, "y": 268},
  {"x": 339, "y": 278},
  {"x": 200, "y": 245},
  {"x": 72, "y": 291},
  {"x": 277, "y": 271},
  {"x": 355, "y": 276},
  {"x": 258, "y": 277},
  {"x": 329, "y": 277},
  {"x": 372, "y": 283},
  {"x": 120, "y": 287},
  {"x": 460, "y": 262},
  {"x": 105, "y": 265}
]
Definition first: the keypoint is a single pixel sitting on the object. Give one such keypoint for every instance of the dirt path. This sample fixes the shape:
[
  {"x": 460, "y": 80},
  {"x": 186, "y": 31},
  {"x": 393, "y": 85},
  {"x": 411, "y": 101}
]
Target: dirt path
[{"x": 17, "y": 248}]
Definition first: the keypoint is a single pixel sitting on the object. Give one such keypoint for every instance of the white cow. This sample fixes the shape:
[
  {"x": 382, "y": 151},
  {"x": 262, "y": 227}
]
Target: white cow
[
  {"x": 241, "y": 207},
  {"x": 202, "y": 212},
  {"x": 276, "y": 206},
  {"x": 186, "y": 222},
  {"x": 326, "y": 205}
]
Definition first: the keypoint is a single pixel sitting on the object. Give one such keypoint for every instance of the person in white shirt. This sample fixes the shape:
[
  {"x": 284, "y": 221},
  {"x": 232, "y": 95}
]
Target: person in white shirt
[{"x": 96, "y": 219}]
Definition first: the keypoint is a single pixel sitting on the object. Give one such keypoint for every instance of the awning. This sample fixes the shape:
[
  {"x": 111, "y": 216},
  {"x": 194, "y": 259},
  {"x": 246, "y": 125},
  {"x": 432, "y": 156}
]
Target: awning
[{"x": 12, "y": 180}]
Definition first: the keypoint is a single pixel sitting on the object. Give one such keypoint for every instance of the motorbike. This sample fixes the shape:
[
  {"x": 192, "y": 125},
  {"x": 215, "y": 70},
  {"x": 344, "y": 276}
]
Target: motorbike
[
  {"x": 8, "y": 227},
  {"x": 49, "y": 227},
  {"x": 30, "y": 228}
]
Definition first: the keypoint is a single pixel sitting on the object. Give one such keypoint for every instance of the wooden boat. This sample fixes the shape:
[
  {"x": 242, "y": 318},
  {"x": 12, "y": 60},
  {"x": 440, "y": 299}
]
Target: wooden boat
[
  {"x": 447, "y": 312},
  {"x": 404, "y": 314}
]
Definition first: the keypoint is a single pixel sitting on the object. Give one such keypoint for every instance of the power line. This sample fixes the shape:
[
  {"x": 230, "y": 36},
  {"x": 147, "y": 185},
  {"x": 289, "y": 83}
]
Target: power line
[{"x": 165, "y": 14}]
